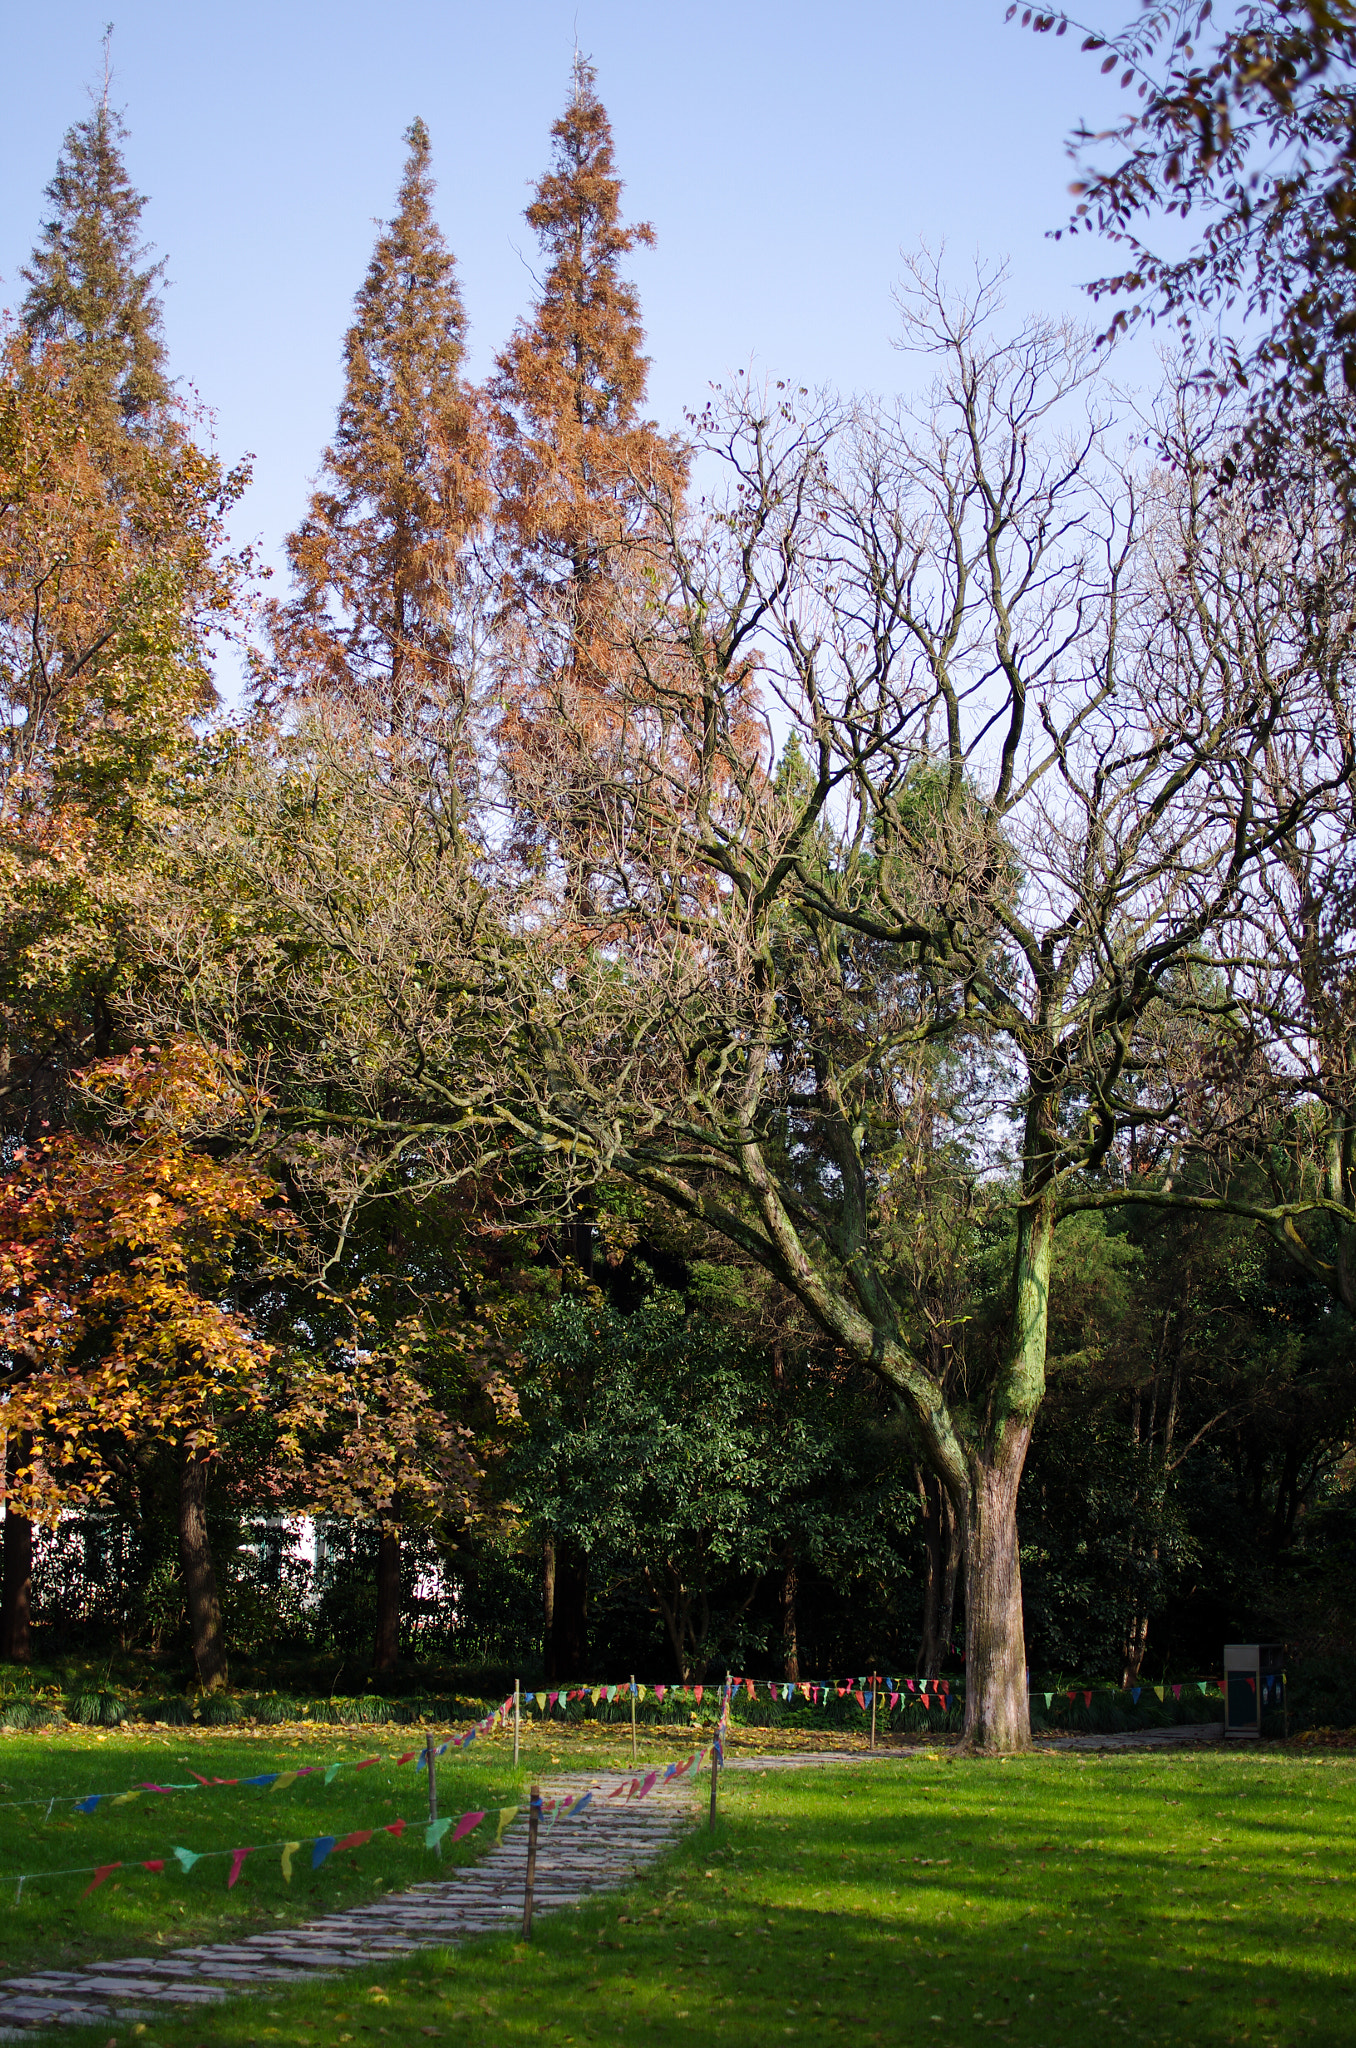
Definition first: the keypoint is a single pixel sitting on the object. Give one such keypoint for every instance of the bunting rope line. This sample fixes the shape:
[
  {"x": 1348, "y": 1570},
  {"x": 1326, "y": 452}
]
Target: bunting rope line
[
  {"x": 434, "y": 1832},
  {"x": 269, "y": 1780},
  {"x": 942, "y": 1691}
]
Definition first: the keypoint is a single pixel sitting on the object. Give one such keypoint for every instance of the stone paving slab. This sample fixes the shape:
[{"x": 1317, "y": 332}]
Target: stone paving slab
[{"x": 604, "y": 1846}]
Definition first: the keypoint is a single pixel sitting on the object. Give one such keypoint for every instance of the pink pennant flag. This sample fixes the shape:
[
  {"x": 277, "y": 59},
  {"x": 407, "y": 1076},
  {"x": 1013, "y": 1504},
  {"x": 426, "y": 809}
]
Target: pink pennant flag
[
  {"x": 1177, "y": 1692},
  {"x": 650, "y": 1782},
  {"x": 464, "y": 1825},
  {"x": 894, "y": 1701},
  {"x": 104, "y": 1870},
  {"x": 660, "y": 1691},
  {"x": 237, "y": 1865}
]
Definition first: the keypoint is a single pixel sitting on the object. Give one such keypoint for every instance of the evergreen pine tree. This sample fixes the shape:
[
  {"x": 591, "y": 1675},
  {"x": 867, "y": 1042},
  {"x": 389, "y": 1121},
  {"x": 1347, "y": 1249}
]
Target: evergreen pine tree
[
  {"x": 377, "y": 559},
  {"x": 89, "y": 286},
  {"x": 576, "y": 460}
]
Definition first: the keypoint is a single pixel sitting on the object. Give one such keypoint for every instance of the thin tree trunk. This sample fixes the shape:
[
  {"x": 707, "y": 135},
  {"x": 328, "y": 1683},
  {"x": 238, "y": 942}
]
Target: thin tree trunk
[
  {"x": 200, "y": 1579},
  {"x": 569, "y": 1621},
  {"x": 790, "y": 1641},
  {"x": 386, "y": 1650},
  {"x": 16, "y": 1614},
  {"x": 16, "y": 1581},
  {"x": 942, "y": 1546},
  {"x": 548, "y": 1608}
]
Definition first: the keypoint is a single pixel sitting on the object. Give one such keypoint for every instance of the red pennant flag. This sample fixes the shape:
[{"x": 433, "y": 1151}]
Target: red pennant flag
[
  {"x": 697, "y": 1694},
  {"x": 1072, "y": 1694},
  {"x": 860, "y": 1701},
  {"x": 104, "y": 1870},
  {"x": 1087, "y": 1699},
  {"x": 394, "y": 1827},
  {"x": 157, "y": 1864},
  {"x": 356, "y": 1840},
  {"x": 367, "y": 1763},
  {"x": 200, "y": 1778},
  {"x": 749, "y": 1684},
  {"x": 237, "y": 1865},
  {"x": 409, "y": 1756}
]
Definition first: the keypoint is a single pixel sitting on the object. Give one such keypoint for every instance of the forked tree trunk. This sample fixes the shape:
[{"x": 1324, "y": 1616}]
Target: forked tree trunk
[
  {"x": 200, "y": 1579},
  {"x": 16, "y": 1614},
  {"x": 997, "y": 1712},
  {"x": 997, "y": 1715},
  {"x": 387, "y": 1647}
]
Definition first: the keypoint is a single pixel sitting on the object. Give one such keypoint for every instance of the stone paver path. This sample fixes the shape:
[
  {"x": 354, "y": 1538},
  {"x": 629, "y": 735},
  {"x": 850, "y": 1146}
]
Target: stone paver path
[{"x": 601, "y": 1850}]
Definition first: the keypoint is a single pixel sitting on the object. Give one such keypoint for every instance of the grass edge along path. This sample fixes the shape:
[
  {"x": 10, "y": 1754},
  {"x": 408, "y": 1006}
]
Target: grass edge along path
[{"x": 1203, "y": 1896}]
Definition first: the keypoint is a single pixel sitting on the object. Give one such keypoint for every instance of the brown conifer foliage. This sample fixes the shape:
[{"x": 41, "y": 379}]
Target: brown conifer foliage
[
  {"x": 377, "y": 559},
  {"x": 577, "y": 464}
]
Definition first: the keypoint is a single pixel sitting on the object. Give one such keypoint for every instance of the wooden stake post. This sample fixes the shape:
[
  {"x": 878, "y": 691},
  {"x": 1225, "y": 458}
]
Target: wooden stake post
[{"x": 533, "y": 1816}]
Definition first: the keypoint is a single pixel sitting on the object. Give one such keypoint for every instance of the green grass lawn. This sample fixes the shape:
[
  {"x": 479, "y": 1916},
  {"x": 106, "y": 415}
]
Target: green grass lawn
[{"x": 1200, "y": 1897}]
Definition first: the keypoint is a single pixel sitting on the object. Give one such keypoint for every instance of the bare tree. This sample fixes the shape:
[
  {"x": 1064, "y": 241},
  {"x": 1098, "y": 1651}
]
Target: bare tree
[{"x": 1000, "y": 815}]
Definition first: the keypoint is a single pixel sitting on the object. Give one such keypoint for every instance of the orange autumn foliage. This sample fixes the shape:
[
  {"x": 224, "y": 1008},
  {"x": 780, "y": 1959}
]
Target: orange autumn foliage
[
  {"x": 578, "y": 466},
  {"x": 117, "y": 1254}
]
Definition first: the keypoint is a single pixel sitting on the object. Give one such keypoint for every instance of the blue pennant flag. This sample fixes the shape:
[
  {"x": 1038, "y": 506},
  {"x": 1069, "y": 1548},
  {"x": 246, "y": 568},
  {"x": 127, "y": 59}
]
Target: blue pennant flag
[{"x": 323, "y": 1845}]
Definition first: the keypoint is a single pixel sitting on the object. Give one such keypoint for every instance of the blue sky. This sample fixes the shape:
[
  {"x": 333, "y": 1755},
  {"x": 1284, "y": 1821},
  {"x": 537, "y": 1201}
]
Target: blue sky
[{"x": 784, "y": 154}]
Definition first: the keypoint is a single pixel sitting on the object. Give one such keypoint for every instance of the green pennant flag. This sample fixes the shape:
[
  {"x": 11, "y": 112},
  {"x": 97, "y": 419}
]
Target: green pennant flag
[
  {"x": 434, "y": 1832},
  {"x": 188, "y": 1857},
  {"x": 1048, "y": 1697},
  {"x": 332, "y": 1773}
]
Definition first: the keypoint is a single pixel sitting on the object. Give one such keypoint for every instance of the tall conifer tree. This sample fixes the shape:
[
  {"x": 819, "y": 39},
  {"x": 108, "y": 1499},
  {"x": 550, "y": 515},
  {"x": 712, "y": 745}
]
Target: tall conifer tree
[
  {"x": 576, "y": 459},
  {"x": 89, "y": 285},
  {"x": 376, "y": 560}
]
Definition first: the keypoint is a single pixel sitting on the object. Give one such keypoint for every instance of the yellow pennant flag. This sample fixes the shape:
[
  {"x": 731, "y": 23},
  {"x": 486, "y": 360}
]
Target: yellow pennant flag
[
  {"x": 288, "y": 1848},
  {"x": 597, "y": 1694},
  {"x": 1159, "y": 1690},
  {"x": 123, "y": 1798},
  {"x": 640, "y": 1692},
  {"x": 506, "y": 1814},
  {"x": 282, "y": 1781}
]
